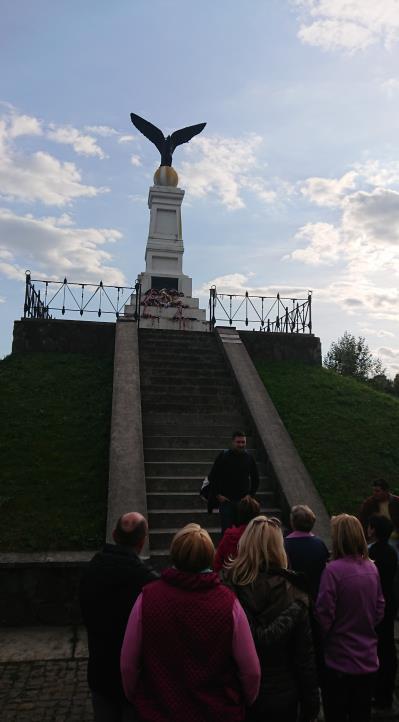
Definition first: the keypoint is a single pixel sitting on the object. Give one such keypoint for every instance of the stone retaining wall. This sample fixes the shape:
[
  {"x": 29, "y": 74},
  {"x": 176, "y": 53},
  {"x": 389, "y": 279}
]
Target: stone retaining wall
[
  {"x": 41, "y": 588},
  {"x": 262, "y": 346},
  {"x": 36, "y": 334}
]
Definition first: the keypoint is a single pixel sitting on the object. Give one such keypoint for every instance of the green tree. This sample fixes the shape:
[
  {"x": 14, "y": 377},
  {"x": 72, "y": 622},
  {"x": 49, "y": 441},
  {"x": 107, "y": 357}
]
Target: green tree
[{"x": 352, "y": 357}]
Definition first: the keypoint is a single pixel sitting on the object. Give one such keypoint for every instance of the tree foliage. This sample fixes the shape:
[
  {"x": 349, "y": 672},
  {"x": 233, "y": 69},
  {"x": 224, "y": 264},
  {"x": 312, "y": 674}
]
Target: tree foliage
[{"x": 350, "y": 356}]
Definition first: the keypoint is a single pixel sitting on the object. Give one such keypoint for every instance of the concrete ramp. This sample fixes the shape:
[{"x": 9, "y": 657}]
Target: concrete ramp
[{"x": 294, "y": 481}]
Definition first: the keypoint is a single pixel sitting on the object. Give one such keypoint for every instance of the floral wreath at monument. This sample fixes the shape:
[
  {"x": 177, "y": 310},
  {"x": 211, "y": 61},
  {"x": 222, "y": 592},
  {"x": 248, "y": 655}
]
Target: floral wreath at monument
[{"x": 164, "y": 298}]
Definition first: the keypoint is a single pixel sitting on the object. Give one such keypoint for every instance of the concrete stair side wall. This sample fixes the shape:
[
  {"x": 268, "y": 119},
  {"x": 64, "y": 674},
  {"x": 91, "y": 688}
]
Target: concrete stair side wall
[
  {"x": 127, "y": 486},
  {"x": 294, "y": 481}
]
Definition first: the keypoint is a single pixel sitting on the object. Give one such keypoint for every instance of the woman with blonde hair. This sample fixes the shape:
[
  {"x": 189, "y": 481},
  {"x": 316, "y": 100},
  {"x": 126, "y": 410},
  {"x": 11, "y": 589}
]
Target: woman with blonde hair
[
  {"x": 277, "y": 611},
  {"x": 349, "y": 605},
  {"x": 188, "y": 652}
]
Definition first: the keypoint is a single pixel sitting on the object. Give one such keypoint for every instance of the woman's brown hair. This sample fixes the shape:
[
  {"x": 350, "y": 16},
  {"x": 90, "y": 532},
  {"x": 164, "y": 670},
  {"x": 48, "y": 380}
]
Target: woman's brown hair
[
  {"x": 192, "y": 549},
  {"x": 348, "y": 537}
]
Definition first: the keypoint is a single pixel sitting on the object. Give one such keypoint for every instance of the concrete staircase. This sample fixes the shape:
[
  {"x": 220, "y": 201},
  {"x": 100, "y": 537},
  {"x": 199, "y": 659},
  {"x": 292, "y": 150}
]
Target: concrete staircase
[{"x": 190, "y": 407}]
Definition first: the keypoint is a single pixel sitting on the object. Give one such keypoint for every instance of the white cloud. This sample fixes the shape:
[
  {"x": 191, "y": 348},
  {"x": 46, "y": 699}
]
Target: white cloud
[
  {"x": 105, "y": 131},
  {"x": 364, "y": 240},
  {"x": 378, "y": 332},
  {"x": 390, "y": 87},
  {"x": 2, "y": 299},
  {"x": 324, "y": 244},
  {"x": 389, "y": 357},
  {"x": 358, "y": 295},
  {"x": 348, "y": 25},
  {"x": 50, "y": 246},
  {"x": 82, "y": 144},
  {"x": 24, "y": 125},
  {"x": 239, "y": 283},
  {"x": 376, "y": 173},
  {"x": 37, "y": 176},
  {"x": 372, "y": 219},
  {"x": 367, "y": 234},
  {"x": 127, "y": 138},
  {"x": 328, "y": 191},
  {"x": 224, "y": 167},
  {"x": 135, "y": 160}
]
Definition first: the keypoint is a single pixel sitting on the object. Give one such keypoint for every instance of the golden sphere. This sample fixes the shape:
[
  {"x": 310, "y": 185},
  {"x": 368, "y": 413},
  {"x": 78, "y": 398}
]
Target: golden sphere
[{"x": 165, "y": 175}]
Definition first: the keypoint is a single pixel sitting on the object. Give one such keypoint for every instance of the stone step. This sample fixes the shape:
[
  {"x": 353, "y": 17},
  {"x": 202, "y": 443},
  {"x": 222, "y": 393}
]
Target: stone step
[
  {"x": 195, "y": 422},
  {"x": 186, "y": 392},
  {"x": 160, "y": 539},
  {"x": 190, "y": 443},
  {"x": 168, "y": 455},
  {"x": 193, "y": 406},
  {"x": 182, "y": 360},
  {"x": 203, "y": 382},
  {"x": 192, "y": 500},
  {"x": 178, "y": 427},
  {"x": 206, "y": 402},
  {"x": 191, "y": 483},
  {"x": 161, "y": 536},
  {"x": 180, "y": 468},
  {"x": 167, "y": 377}
]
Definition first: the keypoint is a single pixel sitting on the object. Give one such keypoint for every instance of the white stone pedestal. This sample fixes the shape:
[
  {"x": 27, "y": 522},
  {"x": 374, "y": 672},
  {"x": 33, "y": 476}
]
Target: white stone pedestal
[{"x": 164, "y": 267}]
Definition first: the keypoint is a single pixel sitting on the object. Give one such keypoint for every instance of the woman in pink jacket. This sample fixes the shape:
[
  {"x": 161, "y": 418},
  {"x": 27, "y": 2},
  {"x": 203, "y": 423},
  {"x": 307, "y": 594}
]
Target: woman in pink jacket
[
  {"x": 349, "y": 606},
  {"x": 188, "y": 652}
]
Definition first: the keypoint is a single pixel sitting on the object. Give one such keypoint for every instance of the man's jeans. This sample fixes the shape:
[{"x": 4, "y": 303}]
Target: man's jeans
[
  {"x": 110, "y": 710},
  {"x": 228, "y": 514}
]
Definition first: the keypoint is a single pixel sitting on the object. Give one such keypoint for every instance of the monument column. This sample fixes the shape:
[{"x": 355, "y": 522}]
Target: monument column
[
  {"x": 164, "y": 251},
  {"x": 166, "y": 292}
]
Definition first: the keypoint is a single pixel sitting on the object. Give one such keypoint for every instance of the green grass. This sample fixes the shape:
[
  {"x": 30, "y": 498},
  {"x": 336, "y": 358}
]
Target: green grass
[
  {"x": 346, "y": 433},
  {"x": 55, "y": 412}
]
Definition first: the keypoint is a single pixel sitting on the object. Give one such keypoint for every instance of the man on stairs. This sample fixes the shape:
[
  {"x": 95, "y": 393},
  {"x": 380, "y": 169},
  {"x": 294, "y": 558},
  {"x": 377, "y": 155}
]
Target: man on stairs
[
  {"x": 234, "y": 476},
  {"x": 109, "y": 588}
]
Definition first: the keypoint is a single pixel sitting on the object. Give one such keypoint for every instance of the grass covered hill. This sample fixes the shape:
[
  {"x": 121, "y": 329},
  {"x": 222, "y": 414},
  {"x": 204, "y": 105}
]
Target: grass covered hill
[
  {"x": 346, "y": 433},
  {"x": 55, "y": 412}
]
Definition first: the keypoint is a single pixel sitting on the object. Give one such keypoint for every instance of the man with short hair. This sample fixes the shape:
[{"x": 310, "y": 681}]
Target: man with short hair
[
  {"x": 108, "y": 590},
  {"x": 383, "y": 503},
  {"x": 379, "y": 531},
  {"x": 306, "y": 552},
  {"x": 234, "y": 476}
]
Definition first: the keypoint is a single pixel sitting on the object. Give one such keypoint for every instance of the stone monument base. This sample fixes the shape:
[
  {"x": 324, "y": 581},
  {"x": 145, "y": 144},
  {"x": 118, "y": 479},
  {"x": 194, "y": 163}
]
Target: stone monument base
[{"x": 169, "y": 312}]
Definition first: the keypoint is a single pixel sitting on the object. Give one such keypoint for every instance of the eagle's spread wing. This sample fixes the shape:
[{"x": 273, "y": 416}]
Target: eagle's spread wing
[
  {"x": 149, "y": 130},
  {"x": 185, "y": 134}
]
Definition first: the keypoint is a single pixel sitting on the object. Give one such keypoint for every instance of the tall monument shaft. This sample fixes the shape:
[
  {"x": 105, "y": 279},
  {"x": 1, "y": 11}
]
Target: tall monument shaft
[
  {"x": 166, "y": 292},
  {"x": 165, "y": 248}
]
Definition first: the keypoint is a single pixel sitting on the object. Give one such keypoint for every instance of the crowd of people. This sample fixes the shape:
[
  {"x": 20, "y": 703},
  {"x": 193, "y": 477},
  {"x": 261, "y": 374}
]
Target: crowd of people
[{"x": 253, "y": 630}]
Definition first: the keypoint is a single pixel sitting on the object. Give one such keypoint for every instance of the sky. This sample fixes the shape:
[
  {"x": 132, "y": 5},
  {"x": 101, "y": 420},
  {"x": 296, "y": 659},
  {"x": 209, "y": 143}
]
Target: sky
[{"x": 293, "y": 184}]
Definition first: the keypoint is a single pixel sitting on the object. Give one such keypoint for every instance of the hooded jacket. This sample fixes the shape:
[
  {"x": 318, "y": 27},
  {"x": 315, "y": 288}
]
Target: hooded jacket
[{"x": 278, "y": 613}]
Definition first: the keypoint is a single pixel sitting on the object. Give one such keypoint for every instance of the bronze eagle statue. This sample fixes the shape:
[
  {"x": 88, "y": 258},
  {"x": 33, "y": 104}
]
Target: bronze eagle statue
[{"x": 167, "y": 145}]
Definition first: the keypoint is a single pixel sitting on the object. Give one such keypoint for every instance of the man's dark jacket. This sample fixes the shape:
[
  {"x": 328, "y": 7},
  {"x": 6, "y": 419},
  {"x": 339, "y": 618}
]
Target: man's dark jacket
[
  {"x": 386, "y": 561},
  {"x": 108, "y": 590},
  {"x": 372, "y": 506},
  {"x": 234, "y": 474}
]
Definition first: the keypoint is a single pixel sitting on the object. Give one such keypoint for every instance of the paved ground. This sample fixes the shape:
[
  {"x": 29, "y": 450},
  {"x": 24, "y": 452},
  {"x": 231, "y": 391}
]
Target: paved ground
[{"x": 43, "y": 675}]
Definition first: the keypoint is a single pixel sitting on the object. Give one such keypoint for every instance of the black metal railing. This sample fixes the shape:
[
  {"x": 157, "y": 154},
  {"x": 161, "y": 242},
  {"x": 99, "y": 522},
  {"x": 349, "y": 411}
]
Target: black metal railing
[
  {"x": 267, "y": 313},
  {"x": 46, "y": 299}
]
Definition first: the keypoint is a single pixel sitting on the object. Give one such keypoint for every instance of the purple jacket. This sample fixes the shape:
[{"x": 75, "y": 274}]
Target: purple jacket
[{"x": 349, "y": 605}]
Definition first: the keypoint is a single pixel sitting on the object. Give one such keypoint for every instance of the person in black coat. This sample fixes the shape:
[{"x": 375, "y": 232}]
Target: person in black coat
[
  {"x": 384, "y": 555},
  {"x": 109, "y": 588},
  {"x": 234, "y": 475},
  {"x": 278, "y": 613}
]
